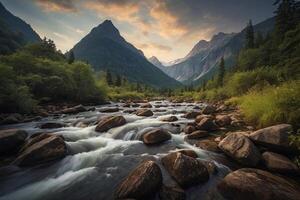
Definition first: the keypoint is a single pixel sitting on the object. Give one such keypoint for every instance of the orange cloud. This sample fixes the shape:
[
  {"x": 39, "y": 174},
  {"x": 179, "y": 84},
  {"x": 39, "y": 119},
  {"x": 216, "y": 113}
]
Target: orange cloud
[{"x": 57, "y": 5}]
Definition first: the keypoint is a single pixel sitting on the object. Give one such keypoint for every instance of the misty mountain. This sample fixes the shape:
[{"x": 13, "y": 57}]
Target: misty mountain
[
  {"x": 14, "y": 24},
  {"x": 200, "y": 63},
  {"x": 154, "y": 60},
  {"x": 105, "y": 49}
]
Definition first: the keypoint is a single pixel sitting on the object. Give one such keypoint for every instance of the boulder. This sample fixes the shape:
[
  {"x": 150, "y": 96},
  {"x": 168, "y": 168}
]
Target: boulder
[
  {"x": 74, "y": 110},
  {"x": 142, "y": 182},
  {"x": 185, "y": 170},
  {"x": 223, "y": 120},
  {"x": 207, "y": 124},
  {"x": 146, "y": 105},
  {"x": 189, "y": 129},
  {"x": 241, "y": 149},
  {"x": 11, "y": 140},
  {"x": 200, "y": 117},
  {"x": 110, "y": 122},
  {"x": 144, "y": 113},
  {"x": 156, "y": 136},
  {"x": 197, "y": 134},
  {"x": 275, "y": 137},
  {"x": 51, "y": 125},
  {"x": 279, "y": 163},
  {"x": 171, "y": 193},
  {"x": 249, "y": 184},
  {"x": 208, "y": 145},
  {"x": 34, "y": 139},
  {"x": 50, "y": 148},
  {"x": 208, "y": 110},
  {"x": 191, "y": 115},
  {"x": 169, "y": 119},
  {"x": 12, "y": 119},
  {"x": 188, "y": 152},
  {"x": 109, "y": 110}
]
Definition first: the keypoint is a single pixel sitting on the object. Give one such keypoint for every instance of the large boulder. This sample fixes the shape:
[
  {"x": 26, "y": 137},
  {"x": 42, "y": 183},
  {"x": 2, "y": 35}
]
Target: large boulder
[
  {"x": 110, "y": 122},
  {"x": 223, "y": 120},
  {"x": 200, "y": 117},
  {"x": 74, "y": 110},
  {"x": 208, "y": 145},
  {"x": 241, "y": 149},
  {"x": 191, "y": 115},
  {"x": 208, "y": 110},
  {"x": 11, "y": 140},
  {"x": 50, "y": 148},
  {"x": 142, "y": 182},
  {"x": 207, "y": 124},
  {"x": 34, "y": 139},
  {"x": 171, "y": 193},
  {"x": 249, "y": 184},
  {"x": 156, "y": 136},
  {"x": 185, "y": 170},
  {"x": 279, "y": 163},
  {"x": 169, "y": 119},
  {"x": 146, "y": 105},
  {"x": 188, "y": 152},
  {"x": 189, "y": 129},
  {"x": 275, "y": 137},
  {"x": 144, "y": 113},
  {"x": 197, "y": 135},
  {"x": 109, "y": 110}
]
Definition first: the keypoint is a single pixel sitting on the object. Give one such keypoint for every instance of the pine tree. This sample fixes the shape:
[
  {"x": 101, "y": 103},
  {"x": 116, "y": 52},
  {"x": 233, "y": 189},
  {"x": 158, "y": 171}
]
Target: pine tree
[
  {"x": 259, "y": 39},
  {"x": 221, "y": 72},
  {"x": 118, "y": 81},
  {"x": 249, "y": 36},
  {"x": 71, "y": 57},
  {"x": 109, "y": 80}
]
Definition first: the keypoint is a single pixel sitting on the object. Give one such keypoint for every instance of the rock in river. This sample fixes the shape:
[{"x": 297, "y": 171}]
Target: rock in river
[
  {"x": 110, "y": 122},
  {"x": 144, "y": 112},
  {"x": 169, "y": 119},
  {"x": 251, "y": 184},
  {"x": 11, "y": 140},
  {"x": 142, "y": 183},
  {"x": 207, "y": 124},
  {"x": 197, "y": 134},
  {"x": 185, "y": 170},
  {"x": 156, "y": 136},
  {"x": 241, "y": 149}
]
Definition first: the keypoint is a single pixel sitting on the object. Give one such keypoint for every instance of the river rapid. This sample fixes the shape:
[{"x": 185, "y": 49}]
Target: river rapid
[{"x": 98, "y": 162}]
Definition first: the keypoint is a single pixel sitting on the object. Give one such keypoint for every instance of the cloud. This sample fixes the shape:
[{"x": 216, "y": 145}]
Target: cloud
[
  {"x": 153, "y": 45},
  {"x": 58, "y": 5}
]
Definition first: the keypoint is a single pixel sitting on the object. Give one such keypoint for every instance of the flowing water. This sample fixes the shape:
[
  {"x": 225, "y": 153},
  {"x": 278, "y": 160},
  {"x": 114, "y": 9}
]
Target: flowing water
[{"x": 97, "y": 162}]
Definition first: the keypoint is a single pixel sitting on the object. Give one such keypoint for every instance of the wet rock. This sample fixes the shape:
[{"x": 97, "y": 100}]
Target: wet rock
[
  {"x": 126, "y": 105},
  {"x": 50, "y": 148},
  {"x": 185, "y": 170},
  {"x": 249, "y": 184},
  {"x": 241, "y": 149},
  {"x": 135, "y": 105},
  {"x": 142, "y": 183},
  {"x": 110, "y": 122},
  {"x": 191, "y": 115},
  {"x": 129, "y": 111},
  {"x": 275, "y": 137},
  {"x": 147, "y": 105},
  {"x": 208, "y": 145},
  {"x": 196, "y": 107},
  {"x": 109, "y": 110},
  {"x": 200, "y": 117},
  {"x": 156, "y": 136},
  {"x": 211, "y": 167},
  {"x": 207, "y": 124},
  {"x": 52, "y": 125},
  {"x": 208, "y": 110},
  {"x": 74, "y": 110},
  {"x": 223, "y": 120},
  {"x": 13, "y": 118},
  {"x": 169, "y": 119},
  {"x": 197, "y": 134},
  {"x": 171, "y": 193},
  {"x": 11, "y": 140},
  {"x": 34, "y": 139},
  {"x": 279, "y": 163},
  {"x": 222, "y": 108},
  {"x": 189, "y": 129},
  {"x": 188, "y": 152},
  {"x": 144, "y": 113}
]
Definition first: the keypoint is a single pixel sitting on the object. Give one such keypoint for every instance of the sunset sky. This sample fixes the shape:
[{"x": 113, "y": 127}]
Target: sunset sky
[{"x": 167, "y": 29}]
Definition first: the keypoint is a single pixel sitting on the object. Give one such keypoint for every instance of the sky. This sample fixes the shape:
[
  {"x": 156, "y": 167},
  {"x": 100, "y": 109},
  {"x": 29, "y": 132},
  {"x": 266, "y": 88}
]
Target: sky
[{"x": 167, "y": 29}]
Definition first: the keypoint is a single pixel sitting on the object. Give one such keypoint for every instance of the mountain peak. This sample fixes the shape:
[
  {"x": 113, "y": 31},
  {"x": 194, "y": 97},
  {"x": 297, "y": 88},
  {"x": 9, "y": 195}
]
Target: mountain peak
[{"x": 106, "y": 28}]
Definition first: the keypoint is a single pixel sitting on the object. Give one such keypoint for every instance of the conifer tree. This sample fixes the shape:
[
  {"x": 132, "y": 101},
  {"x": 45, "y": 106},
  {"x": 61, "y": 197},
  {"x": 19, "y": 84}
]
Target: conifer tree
[
  {"x": 249, "y": 36},
  {"x": 109, "y": 80},
  {"x": 71, "y": 57},
  {"x": 221, "y": 72},
  {"x": 118, "y": 81}
]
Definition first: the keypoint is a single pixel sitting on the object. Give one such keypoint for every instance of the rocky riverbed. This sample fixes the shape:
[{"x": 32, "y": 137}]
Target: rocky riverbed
[{"x": 150, "y": 150}]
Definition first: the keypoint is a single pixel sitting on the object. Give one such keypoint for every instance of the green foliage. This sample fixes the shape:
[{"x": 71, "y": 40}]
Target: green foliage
[
  {"x": 71, "y": 57},
  {"x": 249, "y": 36},
  {"x": 109, "y": 80},
  {"x": 221, "y": 72}
]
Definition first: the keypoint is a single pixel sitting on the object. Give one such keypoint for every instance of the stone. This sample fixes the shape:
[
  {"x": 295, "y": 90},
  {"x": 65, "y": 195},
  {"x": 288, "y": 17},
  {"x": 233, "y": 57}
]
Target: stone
[
  {"x": 185, "y": 170},
  {"x": 52, "y": 125},
  {"x": 208, "y": 145},
  {"x": 249, "y": 184},
  {"x": 188, "y": 152},
  {"x": 200, "y": 117},
  {"x": 279, "y": 163},
  {"x": 109, "y": 110},
  {"x": 48, "y": 149},
  {"x": 171, "y": 193},
  {"x": 144, "y": 113},
  {"x": 208, "y": 110},
  {"x": 144, "y": 181},
  {"x": 11, "y": 140},
  {"x": 197, "y": 134},
  {"x": 147, "y": 105},
  {"x": 74, "y": 110},
  {"x": 223, "y": 120},
  {"x": 156, "y": 136},
  {"x": 169, "y": 119},
  {"x": 207, "y": 124},
  {"x": 275, "y": 137},
  {"x": 189, "y": 129},
  {"x": 241, "y": 149},
  {"x": 191, "y": 115},
  {"x": 110, "y": 122}
]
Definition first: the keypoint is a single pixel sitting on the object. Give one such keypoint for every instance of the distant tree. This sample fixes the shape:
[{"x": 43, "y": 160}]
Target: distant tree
[
  {"x": 221, "y": 72},
  {"x": 109, "y": 80},
  {"x": 249, "y": 36},
  {"x": 138, "y": 87},
  {"x": 259, "y": 39},
  {"x": 71, "y": 57},
  {"x": 118, "y": 81}
]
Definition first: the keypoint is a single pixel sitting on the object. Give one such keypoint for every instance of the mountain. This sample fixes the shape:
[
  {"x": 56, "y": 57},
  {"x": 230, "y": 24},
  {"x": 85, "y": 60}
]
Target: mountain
[
  {"x": 17, "y": 26},
  {"x": 105, "y": 49},
  {"x": 156, "y": 63},
  {"x": 201, "y": 62}
]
